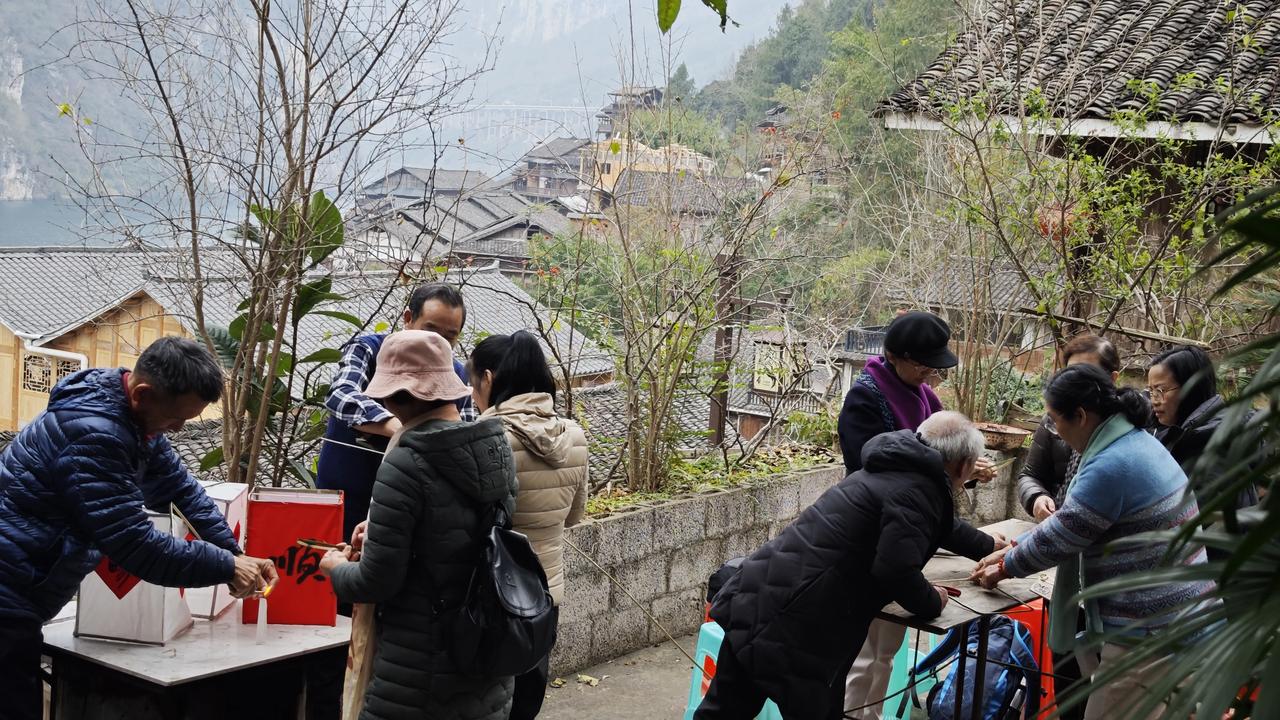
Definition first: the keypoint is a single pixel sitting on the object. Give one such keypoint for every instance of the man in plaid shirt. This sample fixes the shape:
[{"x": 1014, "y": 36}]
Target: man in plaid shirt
[{"x": 359, "y": 427}]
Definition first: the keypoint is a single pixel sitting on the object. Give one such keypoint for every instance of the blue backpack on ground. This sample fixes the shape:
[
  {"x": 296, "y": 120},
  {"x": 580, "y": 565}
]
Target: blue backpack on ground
[{"x": 1011, "y": 667}]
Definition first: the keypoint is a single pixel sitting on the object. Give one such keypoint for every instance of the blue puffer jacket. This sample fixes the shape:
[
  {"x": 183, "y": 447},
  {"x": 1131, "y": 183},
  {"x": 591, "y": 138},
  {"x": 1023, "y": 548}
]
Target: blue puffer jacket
[{"x": 73, "y": 485}]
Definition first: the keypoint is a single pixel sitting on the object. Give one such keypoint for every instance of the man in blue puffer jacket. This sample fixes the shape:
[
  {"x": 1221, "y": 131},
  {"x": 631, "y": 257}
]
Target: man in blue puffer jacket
[{"x": 74, "y": 485}]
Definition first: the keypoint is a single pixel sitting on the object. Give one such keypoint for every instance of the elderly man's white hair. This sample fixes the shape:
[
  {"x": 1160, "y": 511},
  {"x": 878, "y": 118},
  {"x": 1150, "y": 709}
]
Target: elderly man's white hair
[{"x": 953, "y": 435}]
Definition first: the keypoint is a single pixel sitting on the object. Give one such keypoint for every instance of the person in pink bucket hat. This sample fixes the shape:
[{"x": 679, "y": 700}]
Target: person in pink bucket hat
[{"x": 436, "y": 486}]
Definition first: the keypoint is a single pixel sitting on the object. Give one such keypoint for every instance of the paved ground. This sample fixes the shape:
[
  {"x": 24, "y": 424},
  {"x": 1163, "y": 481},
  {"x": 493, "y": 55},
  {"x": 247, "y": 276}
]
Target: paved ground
[{"x": 652, "y": 684}]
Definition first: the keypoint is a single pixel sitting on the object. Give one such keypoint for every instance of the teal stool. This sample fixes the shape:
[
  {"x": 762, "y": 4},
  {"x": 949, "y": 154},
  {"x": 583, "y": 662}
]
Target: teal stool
[
  {"x": 709, "y": 639},
  {"x": 903, "y": 661}
]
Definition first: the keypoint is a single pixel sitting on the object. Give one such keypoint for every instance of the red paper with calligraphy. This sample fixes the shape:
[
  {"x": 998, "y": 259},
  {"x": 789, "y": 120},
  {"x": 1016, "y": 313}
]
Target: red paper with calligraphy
[
  {"x": 277, "y": 519},
  {"x": 119, "y": 581}
]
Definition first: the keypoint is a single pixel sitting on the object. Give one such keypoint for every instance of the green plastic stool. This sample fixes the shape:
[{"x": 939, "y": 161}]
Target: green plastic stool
[
  {"x": 708, "y": 649},
  {"x": 905, "y": 659}
]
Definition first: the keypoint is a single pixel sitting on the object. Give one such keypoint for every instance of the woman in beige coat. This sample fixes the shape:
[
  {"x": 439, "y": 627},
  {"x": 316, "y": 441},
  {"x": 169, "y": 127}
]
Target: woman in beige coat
[{"x": 511, "y": 381}]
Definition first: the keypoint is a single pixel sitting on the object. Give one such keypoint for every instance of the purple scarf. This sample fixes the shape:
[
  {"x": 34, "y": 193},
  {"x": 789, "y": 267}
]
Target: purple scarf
[{"x": 910, "y": 405}]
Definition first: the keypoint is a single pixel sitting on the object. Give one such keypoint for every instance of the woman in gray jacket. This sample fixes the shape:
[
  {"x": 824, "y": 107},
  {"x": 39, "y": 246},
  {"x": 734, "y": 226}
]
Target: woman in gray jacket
[
  {"x": 512, "y": 382},
  {"x": 433, "y": 503}
]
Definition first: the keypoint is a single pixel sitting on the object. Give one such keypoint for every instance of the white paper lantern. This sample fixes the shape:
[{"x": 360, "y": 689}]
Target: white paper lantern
[
  {"x": 117, "y": 605},
  {"x": 232, "y": 500}
]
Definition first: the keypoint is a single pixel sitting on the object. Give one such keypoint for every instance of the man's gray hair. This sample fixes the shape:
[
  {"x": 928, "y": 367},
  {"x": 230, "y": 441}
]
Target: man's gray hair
[{"x": 953, "y": 435}]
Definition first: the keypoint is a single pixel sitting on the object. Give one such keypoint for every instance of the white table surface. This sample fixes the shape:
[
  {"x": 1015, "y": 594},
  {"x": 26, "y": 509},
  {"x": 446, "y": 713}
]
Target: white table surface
[{"x": 208, "y": 649}]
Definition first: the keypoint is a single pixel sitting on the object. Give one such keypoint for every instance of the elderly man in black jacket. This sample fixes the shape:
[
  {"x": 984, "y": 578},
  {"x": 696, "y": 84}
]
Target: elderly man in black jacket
[{"x": 797, "y": 612}]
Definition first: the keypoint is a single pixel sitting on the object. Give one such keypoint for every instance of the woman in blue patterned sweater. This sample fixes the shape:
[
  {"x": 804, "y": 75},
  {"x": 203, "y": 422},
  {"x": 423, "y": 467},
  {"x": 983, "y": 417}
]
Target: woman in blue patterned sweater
[{"x": 1127, "y": 483}]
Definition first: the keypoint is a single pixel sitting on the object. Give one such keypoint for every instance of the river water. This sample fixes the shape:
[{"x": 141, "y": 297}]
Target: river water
[{"x": 43, "y": 222}]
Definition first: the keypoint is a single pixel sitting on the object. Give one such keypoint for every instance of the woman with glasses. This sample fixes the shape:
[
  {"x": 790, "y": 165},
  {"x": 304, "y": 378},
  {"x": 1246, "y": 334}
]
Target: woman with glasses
[
  {"x": 1188, "y": 409},
  {"x": 1050, "y": 461},
  {"x": 893, "y": 393}
]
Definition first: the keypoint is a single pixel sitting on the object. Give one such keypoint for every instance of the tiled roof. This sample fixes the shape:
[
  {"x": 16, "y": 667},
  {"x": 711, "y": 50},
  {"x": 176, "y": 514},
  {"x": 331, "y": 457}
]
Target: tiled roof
[
  {"x": 47, "y": 291},
  {"x": 473, "y": 217},
  {"x": 1210, "y": 61},
  {"x": 449, "y": 180},
  {"x": 486, "y": 224},
  {"x": 419, "y": 179},
  {"x": 602, "y": 412},
  {"x": 558, "y": 149},
  {"x": 962, "y": 282},
  {"x": 684, "y": 191},
  {"x": 495, "y": 306}
]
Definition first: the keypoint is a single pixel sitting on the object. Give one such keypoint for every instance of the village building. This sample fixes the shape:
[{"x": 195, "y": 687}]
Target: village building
[
  {"x": 472, "y": 229},
  {"x": 776, "y": 373},
  {"x": 418, "y": 184},
  {"x": 550, "y": 170},
  {"x": 72, "y": 308},
  {"x": 604, "y": 162},
  {"x": 611, "y": 120}
]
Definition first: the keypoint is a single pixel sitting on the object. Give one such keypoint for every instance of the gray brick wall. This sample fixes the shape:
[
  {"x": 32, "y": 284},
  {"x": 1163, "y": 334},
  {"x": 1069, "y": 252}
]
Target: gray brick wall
[{"x": 663, "y": 554}]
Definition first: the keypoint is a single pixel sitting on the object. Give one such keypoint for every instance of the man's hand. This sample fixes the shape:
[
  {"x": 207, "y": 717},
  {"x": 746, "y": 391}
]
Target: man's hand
[
  {"x": 1043, "y": 508},
  {"x": 252, "y": 576},
  {"x": 357, "y": 539},
  {"x": 267, "y": 576},
  {"x": 1000, "y": 541},
  {"x": 942, "y": 593},
  {"x": 988, "y": 576},
  {"x": 334, "y": 558},
  {"x": 984, "y": 471}
]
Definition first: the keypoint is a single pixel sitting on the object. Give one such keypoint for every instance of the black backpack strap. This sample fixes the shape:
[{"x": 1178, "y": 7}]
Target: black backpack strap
[{"x": 498, "y": 516}]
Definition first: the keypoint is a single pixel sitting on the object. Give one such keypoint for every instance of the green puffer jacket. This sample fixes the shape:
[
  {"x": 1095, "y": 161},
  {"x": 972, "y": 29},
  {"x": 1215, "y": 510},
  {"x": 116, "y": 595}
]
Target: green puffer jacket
[{"x": 429, "y": 512}]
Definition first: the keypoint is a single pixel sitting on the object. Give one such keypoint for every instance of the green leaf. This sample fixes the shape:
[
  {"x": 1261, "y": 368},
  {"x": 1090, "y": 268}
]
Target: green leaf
[
  {"x": 345, "y": 317},
  {"x": 224, "y": 345},
  {"x": 211, "y": 460},
  {"x": 284, "y": 365},
  {"x": 615, "y": 147},
  {"x": 312, "y": 294},
  {"x": 722, "y": 9},
  {"x": 323, "y": 355},
  {"x": 266, "y": 216},
  {"x": 667, "y": 12},
  {"x": 326, "y": 228},
  {"x": 236, "y": 329},
  {"x": 381, "y": 327},
  {"x": 300, "y": 471}
]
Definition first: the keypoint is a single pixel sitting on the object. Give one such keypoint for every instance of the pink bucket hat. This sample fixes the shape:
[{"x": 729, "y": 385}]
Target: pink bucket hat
[{"x": 420, "y": 363}]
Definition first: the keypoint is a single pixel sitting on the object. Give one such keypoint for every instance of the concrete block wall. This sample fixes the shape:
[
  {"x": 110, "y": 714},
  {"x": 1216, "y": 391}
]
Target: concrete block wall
[{"x": 662, "y": 554}]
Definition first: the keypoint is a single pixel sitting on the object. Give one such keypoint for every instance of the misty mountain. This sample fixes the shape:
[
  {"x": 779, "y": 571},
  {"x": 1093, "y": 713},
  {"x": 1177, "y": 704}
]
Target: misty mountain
[{"x": 562, "y": 53}]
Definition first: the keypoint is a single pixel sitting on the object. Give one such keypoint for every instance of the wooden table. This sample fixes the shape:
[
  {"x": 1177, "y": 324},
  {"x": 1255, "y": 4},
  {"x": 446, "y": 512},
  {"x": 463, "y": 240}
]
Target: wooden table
[
  {"x": 975, "y": 605},
  {"x": 214, "y": 670}
]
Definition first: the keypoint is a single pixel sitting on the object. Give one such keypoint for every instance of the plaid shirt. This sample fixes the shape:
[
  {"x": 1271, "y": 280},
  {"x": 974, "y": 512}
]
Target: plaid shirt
[{"x": 347, "y": 401}]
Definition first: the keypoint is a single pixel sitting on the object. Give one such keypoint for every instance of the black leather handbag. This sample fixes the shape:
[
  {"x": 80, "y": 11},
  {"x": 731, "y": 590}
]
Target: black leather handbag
[{"x": 507, "y": 622}]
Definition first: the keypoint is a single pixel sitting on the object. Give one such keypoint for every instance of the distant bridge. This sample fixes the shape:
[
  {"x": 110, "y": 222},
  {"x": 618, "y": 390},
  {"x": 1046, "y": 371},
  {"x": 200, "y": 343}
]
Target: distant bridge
[{"x": 524, "y": 123}]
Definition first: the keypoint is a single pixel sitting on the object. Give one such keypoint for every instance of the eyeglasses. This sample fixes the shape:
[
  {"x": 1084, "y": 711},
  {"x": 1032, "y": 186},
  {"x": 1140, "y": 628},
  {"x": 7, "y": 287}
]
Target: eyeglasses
[
  {"x": 931, "y": 372},
  {"x": 1158, "y": 393}
]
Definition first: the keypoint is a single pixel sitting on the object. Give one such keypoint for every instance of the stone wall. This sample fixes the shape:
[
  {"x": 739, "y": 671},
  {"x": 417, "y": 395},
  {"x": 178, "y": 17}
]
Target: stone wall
[{"x": 662, "y": 554}]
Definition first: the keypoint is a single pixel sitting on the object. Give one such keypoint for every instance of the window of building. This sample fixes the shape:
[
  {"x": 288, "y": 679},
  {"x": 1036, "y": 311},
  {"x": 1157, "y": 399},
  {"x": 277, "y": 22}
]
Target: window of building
[
  {"x": 36, "y": 374},
  {"x": 780, "y": 368},
  {"x": 65, "y": 369}
]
